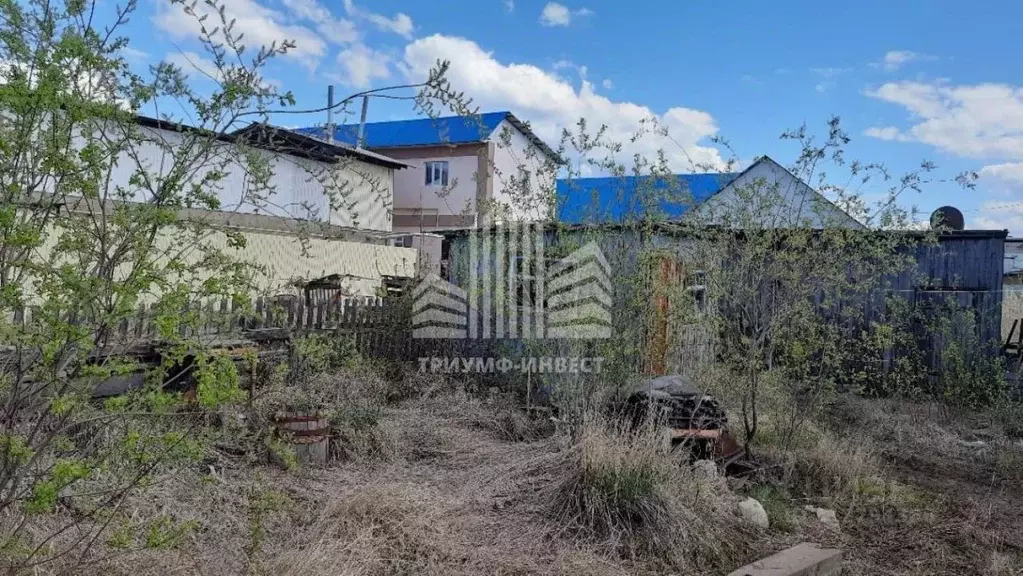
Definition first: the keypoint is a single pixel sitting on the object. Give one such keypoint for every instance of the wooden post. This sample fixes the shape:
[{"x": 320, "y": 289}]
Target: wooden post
[
  {"x": 252, "y": 379},
  {"x": 257, "y": 321},
  {"x": 140, "y": 322},
  {"x": 224, "y": 322}
]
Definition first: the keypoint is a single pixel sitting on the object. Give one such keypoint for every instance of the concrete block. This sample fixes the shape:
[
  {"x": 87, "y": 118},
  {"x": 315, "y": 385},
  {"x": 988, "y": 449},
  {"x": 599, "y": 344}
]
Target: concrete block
[{"x": 805, "y": 559}]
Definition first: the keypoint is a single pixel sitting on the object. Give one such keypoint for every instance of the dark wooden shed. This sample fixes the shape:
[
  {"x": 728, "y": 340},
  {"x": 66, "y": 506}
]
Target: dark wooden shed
[{"x": 960, "y": 267}]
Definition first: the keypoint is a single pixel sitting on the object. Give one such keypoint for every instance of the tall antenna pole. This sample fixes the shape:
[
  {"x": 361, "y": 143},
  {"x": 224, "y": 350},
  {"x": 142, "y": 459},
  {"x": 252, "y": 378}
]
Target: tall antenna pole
[
  {"x": 362, "y": 122},
  {"x": 330, "y": 114}
]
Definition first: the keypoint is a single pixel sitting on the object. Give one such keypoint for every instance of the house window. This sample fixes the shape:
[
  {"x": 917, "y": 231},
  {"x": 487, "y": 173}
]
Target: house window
[
  {"x": 403, "y": 242},
  {"x": 437, "y": 173},
  {"x": 697, "y": 285}
]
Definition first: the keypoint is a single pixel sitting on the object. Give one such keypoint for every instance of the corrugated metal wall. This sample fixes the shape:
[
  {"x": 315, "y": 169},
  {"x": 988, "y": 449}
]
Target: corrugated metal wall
[{"x": 964, "y": 267}]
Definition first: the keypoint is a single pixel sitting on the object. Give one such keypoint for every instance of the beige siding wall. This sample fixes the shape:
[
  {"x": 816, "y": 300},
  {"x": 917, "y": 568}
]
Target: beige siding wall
[
  {"x": 286, "y": 254},
  {"x": 364, "y": 265}
]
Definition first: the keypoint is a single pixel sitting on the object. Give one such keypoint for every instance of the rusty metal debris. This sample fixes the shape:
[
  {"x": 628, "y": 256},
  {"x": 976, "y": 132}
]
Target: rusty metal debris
[{"x": 692, "y": 417}]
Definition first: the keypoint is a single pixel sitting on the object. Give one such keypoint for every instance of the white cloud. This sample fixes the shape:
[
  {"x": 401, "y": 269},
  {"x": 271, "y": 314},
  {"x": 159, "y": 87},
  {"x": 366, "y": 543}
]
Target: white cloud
[
  {"x": 333, "y": 30},
  {"x": 977, "y": 121},
  {"x": 890, "y": 133},
  {"x": 200, "y": 68},
  {"x": 360, "y": 65},
  {"x": 895, "y": 59},
  {"x": 981, "y": 121},
  {"x": 134, "y": 55},
  {"x": 509, "y": 5},
  {"x": 563, "y": 64},
  {"x": 607, "y": 84},
  {"x": 555, "y": 14},
  {"x": 401, "y": 24},
  {"x": 1009, "y": 172},
  {"x": 550, "y": 103},
  {"x": 261, "y": 25},
  {"x": 828, "y": 75},
  {"x": 999, "y": 216}
]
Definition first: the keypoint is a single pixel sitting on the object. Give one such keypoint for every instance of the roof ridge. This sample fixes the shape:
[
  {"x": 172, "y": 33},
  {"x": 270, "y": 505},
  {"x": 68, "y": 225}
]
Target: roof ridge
[
  {"x": 428, "y": 118},
  {"x": 428, "y": 131},
  {"x": 678, "y": 174}
]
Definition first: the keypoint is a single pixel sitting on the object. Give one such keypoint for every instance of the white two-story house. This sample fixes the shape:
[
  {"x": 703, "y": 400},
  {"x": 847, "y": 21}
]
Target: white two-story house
[
  {"x": 465, "y": 171},
  {"x": 320, "y": 210}
]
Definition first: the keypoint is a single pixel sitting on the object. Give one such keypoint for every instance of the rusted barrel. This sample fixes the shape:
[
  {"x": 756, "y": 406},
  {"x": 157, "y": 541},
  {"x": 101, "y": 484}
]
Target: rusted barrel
[{"x": 309, "y": 434}]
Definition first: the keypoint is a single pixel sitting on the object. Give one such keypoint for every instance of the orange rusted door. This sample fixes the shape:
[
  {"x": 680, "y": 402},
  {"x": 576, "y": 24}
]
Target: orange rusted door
[{"x": 664, "y": 277}]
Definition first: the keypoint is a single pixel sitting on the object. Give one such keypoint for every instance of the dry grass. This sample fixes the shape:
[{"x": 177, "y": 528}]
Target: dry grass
[
  {"x": 941, "y": 496},
  {"x": 512, "y": 424},
  {"x": 389, "y": 529},
  {"x": 447, "y": 484},
  {"x": 363, "y": 433},
  {"x": 919, "y": 488},
  {"x": 447, "y": 499},
  {"x": 628, "y": 490},
  {"x": 831, "y": 466}
]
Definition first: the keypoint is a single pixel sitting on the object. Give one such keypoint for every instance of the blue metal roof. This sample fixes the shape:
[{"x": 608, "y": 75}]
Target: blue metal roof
[
  {"x": 612, "y": 199},
  {"x": 418, "y": 132}
]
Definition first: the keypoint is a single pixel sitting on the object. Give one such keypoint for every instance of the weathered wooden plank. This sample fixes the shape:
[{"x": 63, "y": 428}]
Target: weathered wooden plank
[{"x": 321, "y": 315}]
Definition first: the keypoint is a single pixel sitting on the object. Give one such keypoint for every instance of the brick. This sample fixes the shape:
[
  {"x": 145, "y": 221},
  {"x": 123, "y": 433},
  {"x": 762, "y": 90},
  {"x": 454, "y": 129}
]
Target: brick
[{"x": 805, "y": 559}]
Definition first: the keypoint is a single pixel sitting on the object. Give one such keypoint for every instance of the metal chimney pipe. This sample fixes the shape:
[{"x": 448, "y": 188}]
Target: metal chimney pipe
[
  {"x": 362, "y": 122},
  {"x": 330, "y": 114}
]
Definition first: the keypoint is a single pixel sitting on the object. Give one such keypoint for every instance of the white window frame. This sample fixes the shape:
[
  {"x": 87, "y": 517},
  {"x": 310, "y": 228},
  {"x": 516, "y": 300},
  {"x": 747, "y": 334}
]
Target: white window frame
[{"x": 436, "y": 173}]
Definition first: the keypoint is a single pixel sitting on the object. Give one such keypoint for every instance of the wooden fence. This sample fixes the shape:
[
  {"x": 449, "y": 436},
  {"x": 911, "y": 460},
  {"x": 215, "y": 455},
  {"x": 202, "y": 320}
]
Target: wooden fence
[{"x": 378, "y": 326}]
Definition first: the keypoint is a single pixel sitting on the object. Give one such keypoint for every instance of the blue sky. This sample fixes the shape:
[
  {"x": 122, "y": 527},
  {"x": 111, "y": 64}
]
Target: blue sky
[{"x": 912, "y": 80}]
